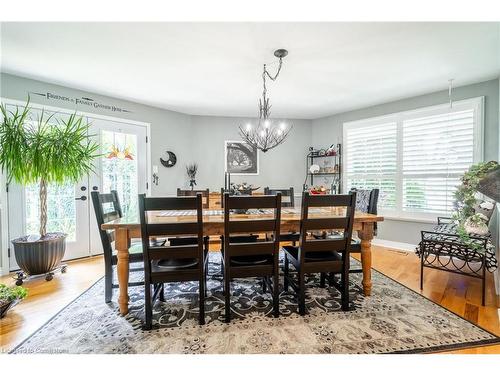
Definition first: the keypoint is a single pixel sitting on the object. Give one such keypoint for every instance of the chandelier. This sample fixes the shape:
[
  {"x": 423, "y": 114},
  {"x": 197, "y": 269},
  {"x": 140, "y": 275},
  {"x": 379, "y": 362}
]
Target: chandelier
[{"x": 266, "y": 134}]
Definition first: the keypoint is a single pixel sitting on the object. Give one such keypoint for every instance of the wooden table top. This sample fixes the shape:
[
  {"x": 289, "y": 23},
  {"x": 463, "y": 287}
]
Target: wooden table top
[{"x": 216, "y": 217}]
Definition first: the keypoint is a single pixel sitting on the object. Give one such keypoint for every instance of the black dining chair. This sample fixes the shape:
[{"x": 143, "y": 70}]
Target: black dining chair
[
  {"x": 366, "y": 201},
  {"x": 251, "y": 259},
  {"x": 192, "y": 193},
  {"x": 323, "y": 256},
  {"x": 178, "y": 241},
  {"x": 172, "y": 263},
  {"x": 242, "y": 238},
  {"x": 288, "y": 200},
  {"x": 107, "y": 208}
]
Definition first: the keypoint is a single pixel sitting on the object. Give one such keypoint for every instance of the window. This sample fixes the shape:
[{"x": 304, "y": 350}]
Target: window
[{"x": 415, "y": 158}]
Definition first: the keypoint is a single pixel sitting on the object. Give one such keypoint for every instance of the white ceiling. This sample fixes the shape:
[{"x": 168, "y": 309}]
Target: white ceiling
[{"x": 215, "y": 68}]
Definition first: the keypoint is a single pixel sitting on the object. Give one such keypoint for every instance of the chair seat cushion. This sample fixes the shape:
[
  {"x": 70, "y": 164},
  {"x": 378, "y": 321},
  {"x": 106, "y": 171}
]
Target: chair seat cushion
[
  {"x": 173, "y": 264},
  {"x": 183, "y": 241},
  {"x": 355, "y": 245},
  {"x": 249, "y": 260},
  {"x": 315, "y": 256},
  {"x": 289, "y": 237}
]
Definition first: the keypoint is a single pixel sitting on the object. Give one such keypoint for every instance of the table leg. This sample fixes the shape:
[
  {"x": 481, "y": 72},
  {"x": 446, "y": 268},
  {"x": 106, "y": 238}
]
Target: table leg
[
  {"x": 366, "y": 236},
  {"x": 122, "y": 243}
]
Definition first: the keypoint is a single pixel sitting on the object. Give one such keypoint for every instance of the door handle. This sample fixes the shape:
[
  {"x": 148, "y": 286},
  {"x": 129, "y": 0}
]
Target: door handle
[{"x": 82, "y": 198}]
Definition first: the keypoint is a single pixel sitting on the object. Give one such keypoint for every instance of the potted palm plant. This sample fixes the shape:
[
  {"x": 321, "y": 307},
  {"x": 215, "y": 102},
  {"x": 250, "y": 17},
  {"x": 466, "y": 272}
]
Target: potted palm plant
[{"x": 44, "y": 152}]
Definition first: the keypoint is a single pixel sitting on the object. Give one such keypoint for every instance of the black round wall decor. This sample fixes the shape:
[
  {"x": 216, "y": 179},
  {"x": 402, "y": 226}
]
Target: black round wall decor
[{"x": 171, "y": 160}]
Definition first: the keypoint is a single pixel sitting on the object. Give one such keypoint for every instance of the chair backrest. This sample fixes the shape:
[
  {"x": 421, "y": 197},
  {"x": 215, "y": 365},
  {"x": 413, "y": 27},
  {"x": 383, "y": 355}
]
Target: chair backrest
[
  {"x": 192, "y": 193},
  {"x": 367, "y": 201},
  {"x": 152, "y": 226},
  {"x": 241, "y": 225},
  {"x": 287, "y": 197},
  {"x": 230, "y": 192},
  {"x": 107, "y": 208},
  {"x": 342, "y": 209}
]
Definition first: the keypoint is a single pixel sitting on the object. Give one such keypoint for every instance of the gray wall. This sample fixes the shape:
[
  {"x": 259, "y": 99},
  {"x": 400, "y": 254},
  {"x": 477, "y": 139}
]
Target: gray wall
[
  {"x": 201, "y": 138},
  {"x": 330, "y": 128},
  {"x": 193, "y": 138},
  {"x": 283, "y": 166},
  {"x": 169, "y": 130}
]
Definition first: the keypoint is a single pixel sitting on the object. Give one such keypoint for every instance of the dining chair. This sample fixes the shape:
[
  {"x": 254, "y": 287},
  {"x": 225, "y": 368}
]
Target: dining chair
[
  {"x": 242, "y": 238},
  {"x": 292, "y": 237},
  {"x": 366, "y": 201},
  {"x": 107, "y": 208},
  {"x": 330, "y": 255},
  {"x": 172, "y": 263},
  {"x": 179, "y": 241},
  {"x": 192, "y": 193},
  {"x": 251, "y": 259}
]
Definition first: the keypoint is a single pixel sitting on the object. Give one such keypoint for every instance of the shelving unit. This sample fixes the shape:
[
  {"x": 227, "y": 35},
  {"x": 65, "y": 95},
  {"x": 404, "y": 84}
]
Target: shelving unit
[{"x": 332, "y": 163}]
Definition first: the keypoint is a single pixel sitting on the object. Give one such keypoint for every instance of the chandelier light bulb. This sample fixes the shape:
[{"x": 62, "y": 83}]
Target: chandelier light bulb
[
  {"x": 280, "y": 131},
  {"x": 248, "y": 127},
  {"x": 282, "y": 126},
  {"x": 267, "y": 123},
  {"x": 262, "y": 133}
]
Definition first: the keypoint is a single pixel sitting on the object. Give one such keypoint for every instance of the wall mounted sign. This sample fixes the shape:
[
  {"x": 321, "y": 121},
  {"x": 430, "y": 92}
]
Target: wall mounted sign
[
  {"x": 241, "y": 158},
  {"x": 170, "y": 161},
  {"x": 89, "y": 102}
]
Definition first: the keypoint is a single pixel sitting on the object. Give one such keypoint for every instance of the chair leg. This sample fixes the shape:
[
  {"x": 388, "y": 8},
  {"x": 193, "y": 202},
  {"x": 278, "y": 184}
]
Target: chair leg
[
  {"x": 276, "y": 294},
  {"x": 108, "y": 283},
  {"x": 302, "y": 294},
  {"x": 422, "y": 274},
  {"x": 483, "y": 284},
  {"x": 421, "y": 267},
  {"x": 322, "y": 280},
  {"x": 345, "y": 290},
  {"x": 285, "y": 281},
  {"x": 162, "y": 293},
  {"x": 148, "y": 308},
  {"x": 227, "y": 299},
  {"x": 264, "y": 285},
  {"x": 205, "y": 276},
  {"x": 201, "y": 301}
]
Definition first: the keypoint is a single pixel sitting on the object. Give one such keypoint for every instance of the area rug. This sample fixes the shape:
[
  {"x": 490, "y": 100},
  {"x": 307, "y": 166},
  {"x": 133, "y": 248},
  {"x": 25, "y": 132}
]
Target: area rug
[{"x": 394, "y": 319}]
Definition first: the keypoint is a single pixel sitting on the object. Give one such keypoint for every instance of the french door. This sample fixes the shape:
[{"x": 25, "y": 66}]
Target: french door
[{"x": 122, "y": 166}]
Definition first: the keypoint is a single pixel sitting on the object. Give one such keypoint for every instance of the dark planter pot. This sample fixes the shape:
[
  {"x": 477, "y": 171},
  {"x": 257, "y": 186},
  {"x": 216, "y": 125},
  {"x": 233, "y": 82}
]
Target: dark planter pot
[
  {"x": 41, "y": 256},
  {"x": 7, "y": 306}
]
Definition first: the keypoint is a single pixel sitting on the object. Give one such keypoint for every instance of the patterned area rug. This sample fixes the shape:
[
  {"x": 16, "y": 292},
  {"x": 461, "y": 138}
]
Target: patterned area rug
[{"x": 393, "y": 320}]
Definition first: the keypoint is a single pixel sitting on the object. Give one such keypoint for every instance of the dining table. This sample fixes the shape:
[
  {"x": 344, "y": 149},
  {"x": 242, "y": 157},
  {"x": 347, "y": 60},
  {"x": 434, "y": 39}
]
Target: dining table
[{"x": 128, "y": 228}]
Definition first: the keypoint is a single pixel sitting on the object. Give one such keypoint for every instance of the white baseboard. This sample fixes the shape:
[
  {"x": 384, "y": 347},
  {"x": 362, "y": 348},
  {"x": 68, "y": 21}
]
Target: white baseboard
[{"x": 394, "y": 244}]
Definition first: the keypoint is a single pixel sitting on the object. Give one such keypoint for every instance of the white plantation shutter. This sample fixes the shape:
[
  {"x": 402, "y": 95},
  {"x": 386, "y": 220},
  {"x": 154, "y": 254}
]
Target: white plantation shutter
[
  {"x": 415, "y": 158},
  {"x": 437, "y": 150},
  {"x": 371, "y": 160}
]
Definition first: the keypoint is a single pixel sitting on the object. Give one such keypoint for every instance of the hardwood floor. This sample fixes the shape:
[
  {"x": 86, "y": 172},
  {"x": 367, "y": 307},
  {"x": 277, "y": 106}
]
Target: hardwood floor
[{"x": 459, "y": 294}]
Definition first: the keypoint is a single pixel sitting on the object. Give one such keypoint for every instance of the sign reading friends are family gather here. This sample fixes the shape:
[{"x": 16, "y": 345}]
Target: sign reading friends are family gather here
[{"x": 84, "y": 101}]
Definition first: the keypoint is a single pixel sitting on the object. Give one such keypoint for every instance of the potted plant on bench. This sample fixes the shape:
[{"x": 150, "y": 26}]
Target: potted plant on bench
[{"x": 44, "y": 152}]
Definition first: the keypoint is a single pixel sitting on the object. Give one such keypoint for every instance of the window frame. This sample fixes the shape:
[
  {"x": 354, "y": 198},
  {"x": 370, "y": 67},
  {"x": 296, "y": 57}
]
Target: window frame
[{"x": 476, "y": 104}]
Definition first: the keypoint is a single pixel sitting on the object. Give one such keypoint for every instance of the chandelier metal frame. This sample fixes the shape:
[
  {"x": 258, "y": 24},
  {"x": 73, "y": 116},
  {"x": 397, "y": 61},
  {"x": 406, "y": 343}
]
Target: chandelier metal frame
[{"x": 266, "y": 135}]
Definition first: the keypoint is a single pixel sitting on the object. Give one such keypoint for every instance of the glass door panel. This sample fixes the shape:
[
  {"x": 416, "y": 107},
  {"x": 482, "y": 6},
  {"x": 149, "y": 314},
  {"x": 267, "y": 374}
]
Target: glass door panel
[{"x": 121, "y": 167}]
